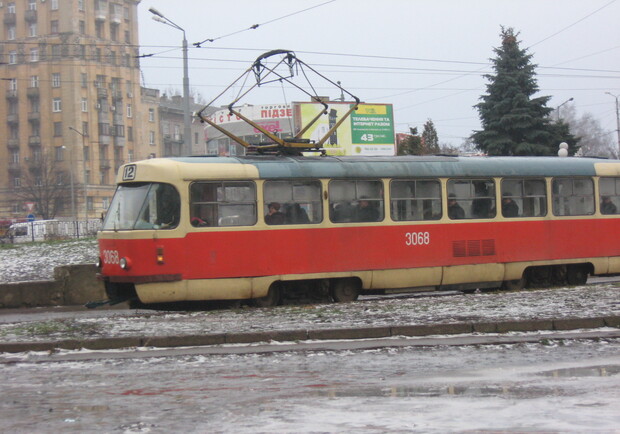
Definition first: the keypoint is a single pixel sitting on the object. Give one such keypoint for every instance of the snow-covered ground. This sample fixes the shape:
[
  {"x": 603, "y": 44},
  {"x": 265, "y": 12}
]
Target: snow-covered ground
[{"x": 36, "y": 261}]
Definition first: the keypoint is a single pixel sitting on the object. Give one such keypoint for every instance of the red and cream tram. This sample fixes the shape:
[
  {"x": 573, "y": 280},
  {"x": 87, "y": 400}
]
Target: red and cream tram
[{"x": 257, "y": 227}]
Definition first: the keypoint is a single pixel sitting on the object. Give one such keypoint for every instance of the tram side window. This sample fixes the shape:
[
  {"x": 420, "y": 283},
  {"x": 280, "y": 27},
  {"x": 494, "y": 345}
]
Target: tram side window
[
  {"x": 415, "y": 200},
  {"x": 610, "y": 195},
  {"x": 355, "y": 201},
  {"x": 573, "y": 196},
  {"x": 471, "y": 198},
  {"x": 223, "y": 203},
  {"x": 524, "y": 198},
  {"x": 297, "y": 202}
]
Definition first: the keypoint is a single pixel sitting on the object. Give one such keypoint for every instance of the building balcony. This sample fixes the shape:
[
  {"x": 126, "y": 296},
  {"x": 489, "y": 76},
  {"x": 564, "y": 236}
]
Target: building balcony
[
  {"x": 32, "y": 92},
  {"x": 102, "y": 93},
  {"x": 116, "y": 18},
  {"x": 104, "y": 140},
  {"x": 34, "y": 116},
  {"x": 117, "y": 94},
  {"x": 100, "y": 15},
  {"x": 13, "y": 143},
  {"x": 11, "y": 94},
  {"x": 34, "y": 141},
  {"x": 14, "y": 167},
  {"x": 31, "y": 16},
  {"x": 12, "y": 118},
  {"x": 10, "y": 19},
  {"x": 104, "y": 164},
  {"x": 119, "y": 141}
]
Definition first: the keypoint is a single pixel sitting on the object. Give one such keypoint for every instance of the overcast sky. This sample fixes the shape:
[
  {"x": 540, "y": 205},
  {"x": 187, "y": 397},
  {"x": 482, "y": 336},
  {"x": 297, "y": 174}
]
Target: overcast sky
[{"x": 426, "y": 57}]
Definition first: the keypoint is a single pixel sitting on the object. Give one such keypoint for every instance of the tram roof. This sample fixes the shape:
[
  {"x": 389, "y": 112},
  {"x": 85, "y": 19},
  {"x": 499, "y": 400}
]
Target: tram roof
[{"x": 408, "y": 166}]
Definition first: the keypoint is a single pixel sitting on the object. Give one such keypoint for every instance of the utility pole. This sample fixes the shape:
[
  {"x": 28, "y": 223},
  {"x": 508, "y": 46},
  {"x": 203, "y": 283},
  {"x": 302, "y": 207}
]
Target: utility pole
[{"x": 617, "y": 120}]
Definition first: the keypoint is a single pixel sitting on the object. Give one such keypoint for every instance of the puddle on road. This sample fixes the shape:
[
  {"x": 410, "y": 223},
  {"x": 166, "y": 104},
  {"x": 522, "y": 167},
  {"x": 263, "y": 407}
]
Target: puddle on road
[
  {"x": 509, "y": 390},
  {"x": 586, "y": 371}
]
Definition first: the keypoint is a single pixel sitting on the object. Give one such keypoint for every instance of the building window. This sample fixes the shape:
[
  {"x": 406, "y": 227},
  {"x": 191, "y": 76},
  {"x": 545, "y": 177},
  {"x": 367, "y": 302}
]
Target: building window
[
  {"x": 60, "y": 179},
  {"x": 85, "y": 128},
  {"x": 127, "y": 37},
  {"x": 130, "y": 134},
  {"x": 89, "y": 203},
  {"x": 32, "y": 5},
  {"x": 56, "y": 52},
  {"x": 10, "y": 33},
  {"x": 34, "y": 54},
  {"x": 84, "y": 105},
  {"x": 128, "y": 110},
  {"x": 57, "y": 129},
  {"x": 34, "y": 81},
  {"x": 82, "y": 28},
  {"x": 12, "y": 57},
  {"x": 81, "y": 5},
  {"x": 151, "y": 115},
  {"x": 17, "y": 182},
  {"x": 99, "y": 29},
  {"x": 32, "y": 29},
  {"x": 15, "y": 156},
  {"x": 56, "y": 105},
  {"x": 104, "y": 129},
  {"x": 10, "y": 8},
  {"x": 56, "y": 79},
  {"x": 84, "y": 79},
  {"x": 151, "y": 138},
  {"x": 12, "y": 84},
  {"x": 105, "y": 203},
  {"x": 196, "y": 138},
  {"x": 60, "y": 153},
  {"x": 54, "y": 5},
  {"x": 114, "y": 32},
  {"x": 54, "y": 26}
]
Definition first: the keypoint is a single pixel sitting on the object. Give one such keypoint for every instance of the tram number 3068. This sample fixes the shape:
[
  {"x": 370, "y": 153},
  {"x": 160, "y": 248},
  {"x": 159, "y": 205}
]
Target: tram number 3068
[{"x": 417, "y": 238}]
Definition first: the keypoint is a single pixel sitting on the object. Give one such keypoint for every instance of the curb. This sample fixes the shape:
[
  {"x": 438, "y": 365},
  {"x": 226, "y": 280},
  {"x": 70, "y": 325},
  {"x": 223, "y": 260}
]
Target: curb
[{"x": 113, "y": 343}]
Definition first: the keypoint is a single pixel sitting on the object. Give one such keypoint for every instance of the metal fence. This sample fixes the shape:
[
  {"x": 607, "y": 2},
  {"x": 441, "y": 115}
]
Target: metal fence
[{"x": 44, "y": 230}]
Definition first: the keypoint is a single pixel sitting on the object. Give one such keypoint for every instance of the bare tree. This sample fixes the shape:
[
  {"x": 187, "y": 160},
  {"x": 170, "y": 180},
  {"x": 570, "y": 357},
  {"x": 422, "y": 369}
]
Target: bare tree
[
  {"x": 594, "y": 140},
  {"x": 46, "y": 184}
]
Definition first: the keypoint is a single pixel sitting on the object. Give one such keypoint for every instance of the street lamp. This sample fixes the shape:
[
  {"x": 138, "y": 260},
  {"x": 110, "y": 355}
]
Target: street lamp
[
  {"x": 617, "y": 120},
  {"x": 73, "y": 216},
  {"x": 557, "y": 110},
  {"x": 81, "y": 133},
  {"x": 187, "y": 130}
]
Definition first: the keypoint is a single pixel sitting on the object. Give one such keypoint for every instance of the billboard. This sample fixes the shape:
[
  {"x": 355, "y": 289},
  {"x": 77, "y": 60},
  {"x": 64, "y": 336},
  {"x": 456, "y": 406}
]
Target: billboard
[{"x": 368, "y": 131}]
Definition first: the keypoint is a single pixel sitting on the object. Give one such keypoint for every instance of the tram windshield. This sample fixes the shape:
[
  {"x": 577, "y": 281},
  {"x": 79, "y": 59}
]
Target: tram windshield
[{"x": 139, "y": 206}]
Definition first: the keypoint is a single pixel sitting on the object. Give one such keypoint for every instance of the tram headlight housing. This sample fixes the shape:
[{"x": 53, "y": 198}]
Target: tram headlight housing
[
  {"x": 99, "y": 262},
  {"x": 125, "y": 263}
]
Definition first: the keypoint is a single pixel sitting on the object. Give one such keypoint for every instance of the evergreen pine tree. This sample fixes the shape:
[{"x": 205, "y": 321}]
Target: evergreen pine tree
[
  {"x": 412, "y": 145},
  {"x": 514, "y": 123},
  {"x": 430, "y": 140}
]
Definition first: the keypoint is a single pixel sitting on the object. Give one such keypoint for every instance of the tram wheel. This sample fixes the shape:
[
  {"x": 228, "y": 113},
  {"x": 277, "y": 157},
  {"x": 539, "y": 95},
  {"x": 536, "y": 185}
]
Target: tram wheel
[
  {"x": 273, "y": 297},
  {"x": 514, "y": 285},
  {"x": 345, "y": 290},
  {"x": 577, "y": 274}
]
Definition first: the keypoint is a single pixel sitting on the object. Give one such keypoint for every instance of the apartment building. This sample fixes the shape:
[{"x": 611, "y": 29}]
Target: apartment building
[{"x": 71, "y": 105}]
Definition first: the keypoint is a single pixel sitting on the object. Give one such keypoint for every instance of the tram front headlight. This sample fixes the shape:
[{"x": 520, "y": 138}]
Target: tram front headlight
[
  {"x": 125, "y": 263},
  {"x": 99, "y": 262}
]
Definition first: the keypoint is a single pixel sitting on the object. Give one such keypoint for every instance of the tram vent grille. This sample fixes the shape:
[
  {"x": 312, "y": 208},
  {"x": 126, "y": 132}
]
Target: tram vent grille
[{"x": 464, "y": 248}]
